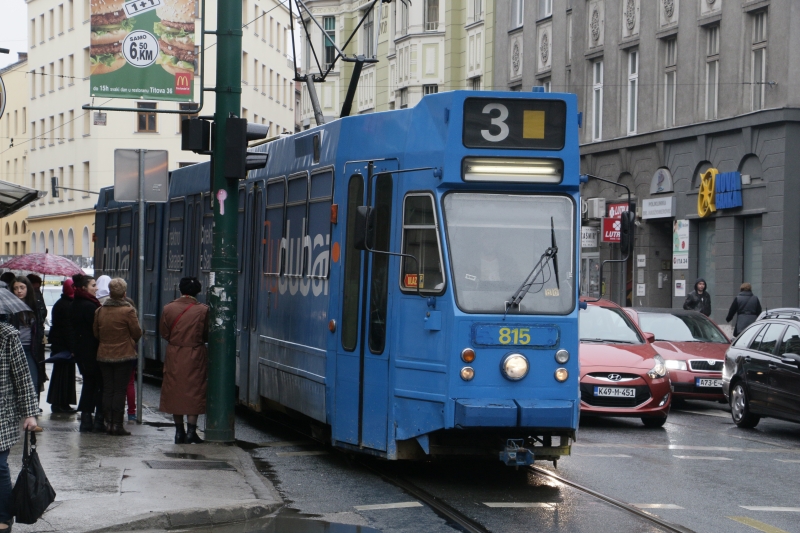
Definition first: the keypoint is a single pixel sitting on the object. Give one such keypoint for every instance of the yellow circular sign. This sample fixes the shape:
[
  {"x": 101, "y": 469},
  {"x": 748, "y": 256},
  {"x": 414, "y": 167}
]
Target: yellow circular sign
[{"x": 706, "y": 202}]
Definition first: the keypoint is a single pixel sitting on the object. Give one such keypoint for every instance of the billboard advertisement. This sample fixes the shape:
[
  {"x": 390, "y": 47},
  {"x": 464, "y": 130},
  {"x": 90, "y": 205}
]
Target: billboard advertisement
[
  {"x": 680, "y": 245},
  {"x": 143, "y": 49}
]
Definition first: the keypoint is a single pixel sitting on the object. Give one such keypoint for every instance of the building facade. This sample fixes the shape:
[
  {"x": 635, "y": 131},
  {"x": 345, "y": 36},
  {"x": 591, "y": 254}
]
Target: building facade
[
  {"x": 689, "y": 103},
  {"x": 77, "y": 146},
  {"x": 422, "y": 48},
  {"x": 13, "y": 159}
]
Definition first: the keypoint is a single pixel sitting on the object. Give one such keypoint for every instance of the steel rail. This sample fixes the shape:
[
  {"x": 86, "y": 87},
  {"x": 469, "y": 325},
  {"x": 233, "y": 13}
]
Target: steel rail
[{"x": 673, "y": 528}]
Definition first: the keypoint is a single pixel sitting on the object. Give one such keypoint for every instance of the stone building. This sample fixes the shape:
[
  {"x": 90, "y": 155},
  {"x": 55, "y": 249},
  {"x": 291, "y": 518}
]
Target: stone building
[{"x": 673, "y": 93}]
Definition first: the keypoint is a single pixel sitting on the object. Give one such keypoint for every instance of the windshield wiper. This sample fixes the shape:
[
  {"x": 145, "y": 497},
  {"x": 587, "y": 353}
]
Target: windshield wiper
[
  {"x": 551, "y": 254},
  {"x": 611, "y": 341}
]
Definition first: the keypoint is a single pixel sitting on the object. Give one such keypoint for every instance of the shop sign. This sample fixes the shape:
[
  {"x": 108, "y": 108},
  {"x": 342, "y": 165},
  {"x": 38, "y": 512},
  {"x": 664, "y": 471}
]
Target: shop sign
[
  {"x": 728, "y": 190},
  {"x": 680, "y": 245},
  {"x": 616, "y": 210},
  {"x": 658, "y": 208},
  {"x": 589, "y": 237},
  {"x": 611, "y": 229},
  {"x": 661, "y": 181},
  {"x": 680, "y": 287},
  {"x": 706, "y": 195},
  {"x": 146, "y": 50}
]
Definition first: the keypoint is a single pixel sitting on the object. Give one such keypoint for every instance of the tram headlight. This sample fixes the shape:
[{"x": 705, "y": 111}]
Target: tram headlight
[
  {"x": 659, "y": 369},
  {"x": 514, "y": 366},
  {"x": 562, "y": 356},
  {"x": 518, "y": 170},
  {"x": 467, "y": 373},
  {"x": 561, "y": 375}
]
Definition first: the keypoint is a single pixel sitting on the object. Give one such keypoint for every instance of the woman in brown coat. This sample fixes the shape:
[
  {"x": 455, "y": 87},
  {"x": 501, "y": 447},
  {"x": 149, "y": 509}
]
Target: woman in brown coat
[
  {"x": 184, "y": 324},
  {"x": 117, "y": 329}
]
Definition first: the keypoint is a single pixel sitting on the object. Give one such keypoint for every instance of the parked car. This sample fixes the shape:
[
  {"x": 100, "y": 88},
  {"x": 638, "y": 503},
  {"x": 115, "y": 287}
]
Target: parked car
[
  {"x": 761, "y": 376},
  {"x": 693, "y": 348},
  {"x": 622, "y": 374}
]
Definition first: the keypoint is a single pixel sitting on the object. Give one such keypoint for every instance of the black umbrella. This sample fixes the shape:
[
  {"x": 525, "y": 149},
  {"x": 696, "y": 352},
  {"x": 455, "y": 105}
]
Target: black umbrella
[{"x": 10, "y": 304}]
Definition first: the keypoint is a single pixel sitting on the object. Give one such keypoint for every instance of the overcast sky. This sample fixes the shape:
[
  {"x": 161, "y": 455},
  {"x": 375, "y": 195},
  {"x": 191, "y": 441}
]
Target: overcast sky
[{"x": 13, "y": 29}]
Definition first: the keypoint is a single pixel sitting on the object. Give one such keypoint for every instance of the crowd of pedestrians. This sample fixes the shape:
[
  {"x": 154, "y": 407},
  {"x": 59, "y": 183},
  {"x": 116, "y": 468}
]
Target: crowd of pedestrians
[{"x": 95, "y": 326}]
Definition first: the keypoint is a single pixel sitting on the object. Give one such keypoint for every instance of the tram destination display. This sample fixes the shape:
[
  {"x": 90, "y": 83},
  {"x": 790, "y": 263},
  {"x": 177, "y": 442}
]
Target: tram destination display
[
  {"x": 514, "y": 123},
  {"x": 143, "y": 49}
]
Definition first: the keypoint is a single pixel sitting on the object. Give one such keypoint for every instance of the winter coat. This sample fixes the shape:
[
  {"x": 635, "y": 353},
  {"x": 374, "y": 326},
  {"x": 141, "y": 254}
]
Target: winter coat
[
  {"x": 747, "y": 306},
  {"x": 36, "y": 346},
  {"x": 60, "y": 326},
  {"x": 698, "y": 302},
  {"x": 117, "y": 328},
  {"x": 183, "y": 389},
  {"x": 17, "y": 398},
  {"x": 84, "y": 343}
]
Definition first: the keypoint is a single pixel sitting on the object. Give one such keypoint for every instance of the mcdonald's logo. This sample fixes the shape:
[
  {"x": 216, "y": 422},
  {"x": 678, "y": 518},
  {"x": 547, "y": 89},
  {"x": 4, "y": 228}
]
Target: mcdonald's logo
[{"x": 183, "y": 83}]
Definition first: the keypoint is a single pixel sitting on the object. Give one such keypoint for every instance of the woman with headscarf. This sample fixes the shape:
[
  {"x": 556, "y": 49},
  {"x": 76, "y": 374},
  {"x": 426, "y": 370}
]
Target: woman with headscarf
[
  {"x": 117, "y": 329},
  {"x": 61, "y": 393},
  {"x": 84, "y": 346},
  {"x": 31, "y": 327},
  {"x": 184, "y": 325},
  {"x": 102, "y": 288}
]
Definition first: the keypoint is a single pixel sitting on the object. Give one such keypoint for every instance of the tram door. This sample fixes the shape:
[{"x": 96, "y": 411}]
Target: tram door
[
  {"x": 251, "y": 230},
  {"x": 362, "y": 363}
]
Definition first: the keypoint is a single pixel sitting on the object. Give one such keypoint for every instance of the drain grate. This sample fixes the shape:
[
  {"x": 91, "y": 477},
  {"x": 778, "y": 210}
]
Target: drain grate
[
  {"x": 174, "y": 455},
  {"x": 61, "y": 429},
  {"x": 189, "y": 465}
]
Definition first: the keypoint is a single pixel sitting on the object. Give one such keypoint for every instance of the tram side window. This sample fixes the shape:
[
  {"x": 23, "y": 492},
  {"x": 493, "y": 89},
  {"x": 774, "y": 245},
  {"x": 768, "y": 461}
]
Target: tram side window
[
  {"x": 273, "y": 232},
  {"x": 421, "y": 240},
  {"x": 380, "y": 264},
  {"x": 296, "y": 217},
  {"x": 319, "y": 224},
  {"x": 240, "y": 234},
  {"x": 207, "y": 238},
  {"x": 175, "y": 236},
  {"x": 150, "y": 256},
  {"x": 352, "y": 266}
]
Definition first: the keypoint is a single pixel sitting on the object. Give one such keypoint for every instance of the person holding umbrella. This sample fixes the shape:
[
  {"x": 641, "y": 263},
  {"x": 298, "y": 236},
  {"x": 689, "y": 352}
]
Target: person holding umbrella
[{"x": 61, "y": 393}]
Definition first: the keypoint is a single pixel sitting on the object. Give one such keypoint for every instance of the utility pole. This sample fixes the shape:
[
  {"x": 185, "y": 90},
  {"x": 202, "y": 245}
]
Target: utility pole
[{"x": 222, "y": 296}]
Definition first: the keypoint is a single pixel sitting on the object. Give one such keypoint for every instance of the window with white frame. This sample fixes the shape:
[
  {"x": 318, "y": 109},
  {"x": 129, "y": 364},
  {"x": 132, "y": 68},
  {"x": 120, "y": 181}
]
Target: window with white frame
[
  {"x": 369, "y": 34},
  {"x": 329, "y": 38},
  {"x": 758, "y": 75},
  {"x": 670, "y": 80},
  {"x": 403, "y": 18},
  {"x": 475, "y": 83},
  {"x": 569, "y": 38},
  {"x": 403, "y": 98},
  {"x": 430, "y": 89},
  {"x": 517, "y": 12},
  {"x": 633, "y": 90},
  {"x": 547, "y": 84},
  {"x": 712, "y": 72},
  {"x": 477, "y": 10},
  {"x": 597, "y": 100},
  {"x": 545, "y": 8},
  {"x": 431, "y": 15}
]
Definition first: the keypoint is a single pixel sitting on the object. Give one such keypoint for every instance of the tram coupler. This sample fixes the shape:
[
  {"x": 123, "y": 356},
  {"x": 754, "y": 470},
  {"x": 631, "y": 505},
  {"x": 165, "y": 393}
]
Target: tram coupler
[{"x": 515, "y": 454}]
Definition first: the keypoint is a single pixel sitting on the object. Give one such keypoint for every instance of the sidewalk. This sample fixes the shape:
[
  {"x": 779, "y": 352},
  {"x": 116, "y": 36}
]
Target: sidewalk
[{"x": 142, "y": 482}]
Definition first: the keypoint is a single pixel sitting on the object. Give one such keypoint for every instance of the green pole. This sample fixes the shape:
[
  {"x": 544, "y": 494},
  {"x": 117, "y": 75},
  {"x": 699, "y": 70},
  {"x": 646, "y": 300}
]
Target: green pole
[{"x": 220, "y": 415}]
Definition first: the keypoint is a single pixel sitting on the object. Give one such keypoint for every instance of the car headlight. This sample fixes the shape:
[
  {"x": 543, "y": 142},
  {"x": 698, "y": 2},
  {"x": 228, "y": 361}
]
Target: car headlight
[
  {"x": 674, "y": 364},
  {"x": 659, "y": 370},
  {"x": 514, "y": 366}
]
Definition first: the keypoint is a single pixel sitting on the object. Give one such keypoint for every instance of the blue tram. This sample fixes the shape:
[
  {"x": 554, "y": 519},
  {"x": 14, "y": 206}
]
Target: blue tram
[{"x": 407, "y": 279}]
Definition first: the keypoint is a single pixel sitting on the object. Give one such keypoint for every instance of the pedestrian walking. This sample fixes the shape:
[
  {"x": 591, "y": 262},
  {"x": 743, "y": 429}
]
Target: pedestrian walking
[
  {"x": 84, "y": 346},
  {"x": 117, "y": 329},
  {"x": 19, "y": 401},
  {"x": 184, "y": 324},
  {"x": 102, "y": 288},
  {"x": 61, "y": 392},
  {"x": 30, "y": 326},
  {"x": 699, "y": 299},
  {"x": 746, "y": 306}
]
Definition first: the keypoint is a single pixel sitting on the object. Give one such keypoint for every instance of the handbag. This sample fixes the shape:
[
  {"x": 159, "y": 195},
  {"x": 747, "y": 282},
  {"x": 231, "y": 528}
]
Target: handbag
[{"x": 32, "y": 493}]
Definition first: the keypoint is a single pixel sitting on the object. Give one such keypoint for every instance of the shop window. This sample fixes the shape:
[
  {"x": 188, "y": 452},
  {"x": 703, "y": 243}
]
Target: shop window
[
  {"x": 706, "y": 255},
  {"x": 752, "y": 253}
]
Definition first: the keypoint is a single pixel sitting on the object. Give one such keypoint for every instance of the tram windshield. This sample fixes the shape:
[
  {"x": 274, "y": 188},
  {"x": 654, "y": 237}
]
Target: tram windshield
[{"x": 494, "y": 242}]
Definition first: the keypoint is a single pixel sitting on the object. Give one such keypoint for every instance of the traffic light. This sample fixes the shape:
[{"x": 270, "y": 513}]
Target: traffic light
[
  {"x": 626, "y": 232},
  {"x": 238, "y": 160},
  {"x": 196, "y": 135},
  {"x": 54, "y": 187}
]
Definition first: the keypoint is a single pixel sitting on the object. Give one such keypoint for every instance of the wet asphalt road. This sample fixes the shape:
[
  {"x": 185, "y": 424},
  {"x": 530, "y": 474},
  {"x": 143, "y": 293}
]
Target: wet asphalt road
[{"x": 699, "y": 471}]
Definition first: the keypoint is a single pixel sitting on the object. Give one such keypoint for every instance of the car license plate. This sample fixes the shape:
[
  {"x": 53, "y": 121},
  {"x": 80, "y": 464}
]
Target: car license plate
[
  {"x": 615, "y": 392},
  {"x": 708, "y": 383}
]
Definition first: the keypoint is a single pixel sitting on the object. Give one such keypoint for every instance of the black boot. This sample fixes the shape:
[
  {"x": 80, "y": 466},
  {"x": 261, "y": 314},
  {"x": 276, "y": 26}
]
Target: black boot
[
  {"x": 99, "y": 423},
  {"x": 117, "y": 427},
  {"x": 86, "y": 423},
  {"x": 107, "y": 418},
  {"x": 191, "y": 435},
  {"x": 180, "y": 434}
]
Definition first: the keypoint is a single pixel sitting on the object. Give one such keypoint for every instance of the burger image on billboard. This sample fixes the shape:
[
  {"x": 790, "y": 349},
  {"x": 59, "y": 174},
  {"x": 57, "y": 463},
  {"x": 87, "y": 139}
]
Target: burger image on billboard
[
  {"x": 109, "y": 25},
  {"x": 175, "y": 34}
]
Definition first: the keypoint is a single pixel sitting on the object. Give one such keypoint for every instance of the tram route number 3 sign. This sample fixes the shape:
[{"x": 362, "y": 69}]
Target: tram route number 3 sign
[{"x": 514, "y": 123}]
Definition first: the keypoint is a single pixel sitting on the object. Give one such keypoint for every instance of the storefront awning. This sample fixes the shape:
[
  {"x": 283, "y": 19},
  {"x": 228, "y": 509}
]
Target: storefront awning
[{"x": 14, "y": 197}]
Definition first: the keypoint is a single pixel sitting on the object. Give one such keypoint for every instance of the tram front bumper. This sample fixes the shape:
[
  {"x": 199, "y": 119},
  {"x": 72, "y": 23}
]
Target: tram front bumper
[{"x": 551, "y": 414}]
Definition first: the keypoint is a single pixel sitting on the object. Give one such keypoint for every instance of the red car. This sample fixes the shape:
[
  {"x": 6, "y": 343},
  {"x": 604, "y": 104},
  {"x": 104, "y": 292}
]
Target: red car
[
  {"x": 622, "y": 374},
  {"x": 692, "y": 346}
]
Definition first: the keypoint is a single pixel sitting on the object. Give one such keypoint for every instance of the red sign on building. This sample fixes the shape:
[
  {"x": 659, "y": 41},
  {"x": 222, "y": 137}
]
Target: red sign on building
[
  {"x": 611, "y": 227},
  {"x": 616, "y": 210}
]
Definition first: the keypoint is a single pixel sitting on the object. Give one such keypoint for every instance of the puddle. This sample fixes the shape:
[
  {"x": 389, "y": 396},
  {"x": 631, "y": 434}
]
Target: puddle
[
  {"x": 285, "y": 524},
  {"x": 176, "y": 455}
]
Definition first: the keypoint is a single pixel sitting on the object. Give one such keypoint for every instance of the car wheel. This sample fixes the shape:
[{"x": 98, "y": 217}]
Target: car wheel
[
  {"x": 740, "y": 410},
  {"x": 654, "y": 422}
]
